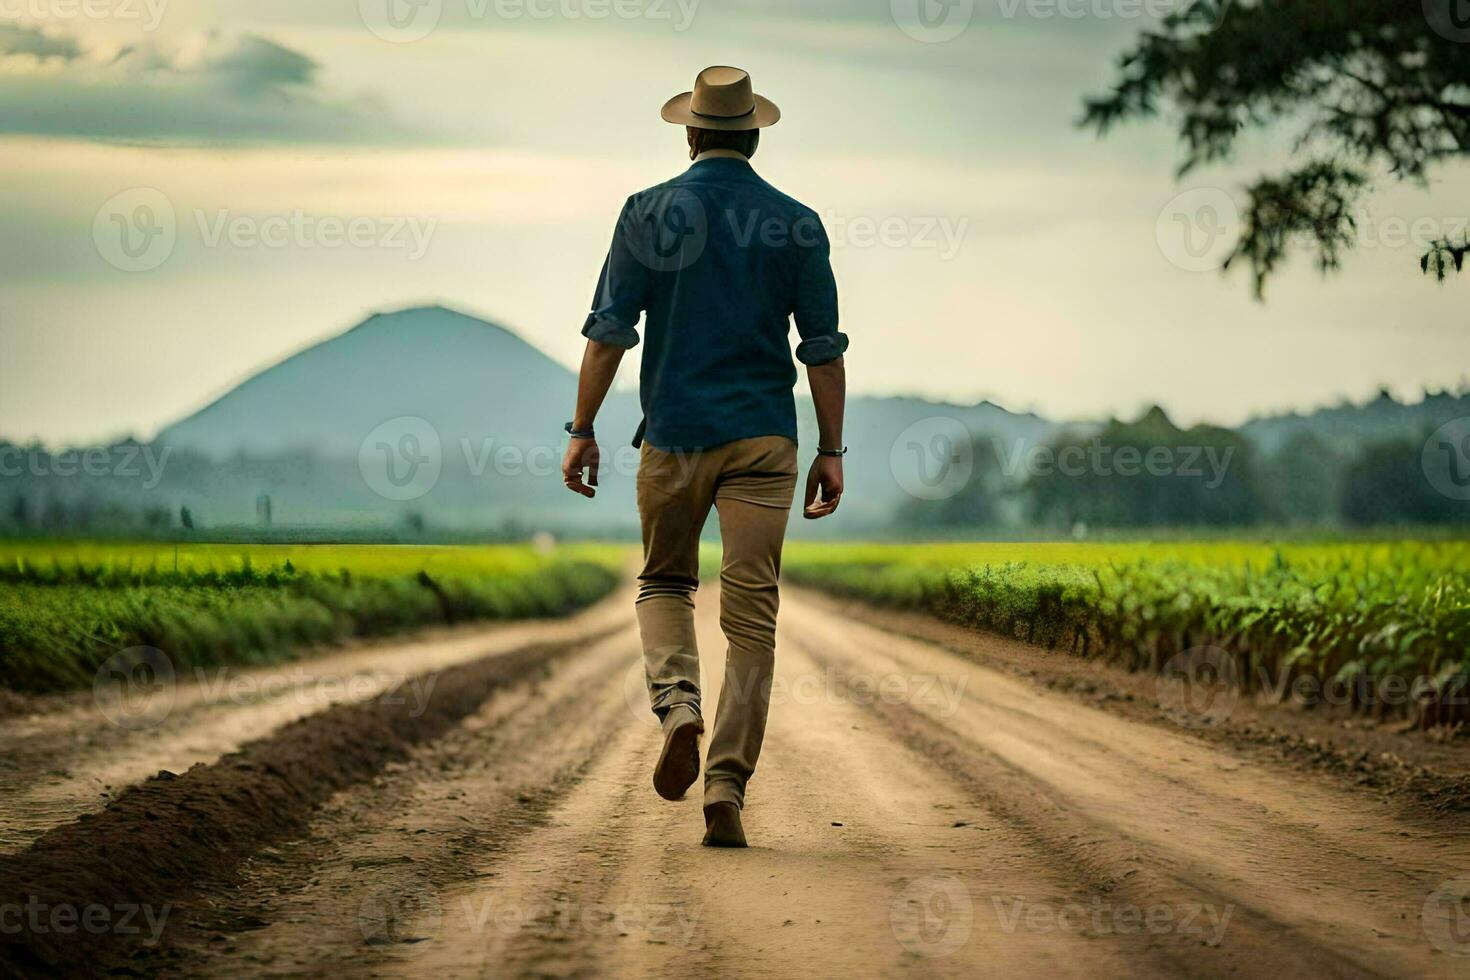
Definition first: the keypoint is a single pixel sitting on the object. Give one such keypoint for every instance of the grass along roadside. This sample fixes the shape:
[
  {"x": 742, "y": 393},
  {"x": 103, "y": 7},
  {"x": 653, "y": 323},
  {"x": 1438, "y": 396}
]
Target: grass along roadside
[
  {"x": 66, "y": 608},
  {"x": 1383, "y": 626}
]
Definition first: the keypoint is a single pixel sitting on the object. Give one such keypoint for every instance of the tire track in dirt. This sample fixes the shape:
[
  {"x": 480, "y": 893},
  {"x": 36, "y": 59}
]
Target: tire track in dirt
[
  {"x": 75, "y": 754},
  {"x": 162, "y": 842},
  {"x": 366, "y": 886},
  {"x": 857, "y": 868},
  {"x": 1421, "y": 774},
  {"x": 1320, "y": 881}
]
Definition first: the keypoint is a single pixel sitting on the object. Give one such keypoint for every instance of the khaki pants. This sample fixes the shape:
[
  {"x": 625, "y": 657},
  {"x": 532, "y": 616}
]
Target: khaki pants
[{"x": 751, "y": 484}]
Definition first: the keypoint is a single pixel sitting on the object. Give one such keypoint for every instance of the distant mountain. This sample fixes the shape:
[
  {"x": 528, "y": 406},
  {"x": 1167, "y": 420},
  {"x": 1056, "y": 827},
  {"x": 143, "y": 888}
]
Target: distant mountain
[
  {"x": 891, "y": 441},
  {"x": 1347, "y": 428},
  {"x": 468, "y": 378},
  {"x": 482, "y": 389}
]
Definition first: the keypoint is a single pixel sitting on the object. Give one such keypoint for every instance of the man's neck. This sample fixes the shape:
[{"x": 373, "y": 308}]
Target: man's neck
[{"x": 721, "y": 154}]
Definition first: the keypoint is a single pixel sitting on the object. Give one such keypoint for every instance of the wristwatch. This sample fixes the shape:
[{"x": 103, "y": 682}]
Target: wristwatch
[
  {"x": 575, "y": 434},
  {"x": 839, "y": 453}
]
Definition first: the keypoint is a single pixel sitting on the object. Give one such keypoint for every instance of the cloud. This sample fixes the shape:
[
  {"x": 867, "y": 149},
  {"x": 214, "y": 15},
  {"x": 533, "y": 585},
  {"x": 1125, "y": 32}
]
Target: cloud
[
  {"x": 18, "y": 40},
  {"x": 211, "y": 89}
]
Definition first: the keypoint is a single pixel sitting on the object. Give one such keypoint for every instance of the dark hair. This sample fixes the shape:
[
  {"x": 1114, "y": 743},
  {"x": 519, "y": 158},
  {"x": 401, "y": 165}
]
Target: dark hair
[{"x": 740, "y": 140}]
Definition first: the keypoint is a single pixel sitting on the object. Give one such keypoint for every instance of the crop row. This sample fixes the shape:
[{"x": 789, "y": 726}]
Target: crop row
[
  {"x": 60, "y": 620},
  {"x": 1391, "y": 624}
]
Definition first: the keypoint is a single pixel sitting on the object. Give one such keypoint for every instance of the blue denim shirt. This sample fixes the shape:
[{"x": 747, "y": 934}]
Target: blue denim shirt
[{"x": 717, "y": 262}]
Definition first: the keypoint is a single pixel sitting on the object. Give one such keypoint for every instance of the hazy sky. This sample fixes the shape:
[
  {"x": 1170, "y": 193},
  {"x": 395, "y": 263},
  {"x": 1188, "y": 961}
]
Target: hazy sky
[{"x": 280, "y": 169}]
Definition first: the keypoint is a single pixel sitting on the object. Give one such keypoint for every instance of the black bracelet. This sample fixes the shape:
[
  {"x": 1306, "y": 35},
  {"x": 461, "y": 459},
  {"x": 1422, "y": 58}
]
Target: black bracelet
[
  {"x": 572, "y": 431},
  {"x": 839, "y": 453}
]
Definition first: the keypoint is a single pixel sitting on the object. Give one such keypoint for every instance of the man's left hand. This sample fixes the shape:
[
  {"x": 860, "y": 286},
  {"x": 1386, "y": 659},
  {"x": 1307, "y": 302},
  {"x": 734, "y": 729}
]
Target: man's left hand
[{"x": 825, "y": 478}]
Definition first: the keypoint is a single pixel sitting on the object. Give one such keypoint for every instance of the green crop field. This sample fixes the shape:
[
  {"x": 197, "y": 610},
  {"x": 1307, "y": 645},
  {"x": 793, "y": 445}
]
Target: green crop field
[
  {"x": 1365, "y": 615},
  {"x": 65, "y": 607}
]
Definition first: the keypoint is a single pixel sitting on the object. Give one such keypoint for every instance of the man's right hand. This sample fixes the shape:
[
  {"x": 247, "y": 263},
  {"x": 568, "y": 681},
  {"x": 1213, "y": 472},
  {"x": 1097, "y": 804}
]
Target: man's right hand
[{"x": 582, "y": 454}]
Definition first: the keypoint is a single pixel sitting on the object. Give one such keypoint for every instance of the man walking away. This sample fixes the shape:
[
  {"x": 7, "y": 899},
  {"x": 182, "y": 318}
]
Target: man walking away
[{"x": 716, "y": 262}]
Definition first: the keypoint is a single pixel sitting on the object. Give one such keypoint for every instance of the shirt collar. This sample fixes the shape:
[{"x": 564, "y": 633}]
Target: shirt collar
[
  {"x": 721, "y": 155},
  {"x": 736, "y": 164}
]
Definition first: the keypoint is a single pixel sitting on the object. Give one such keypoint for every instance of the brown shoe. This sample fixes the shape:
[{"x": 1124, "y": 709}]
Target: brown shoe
[
  {"x": 678, "y": 763},
  {"x": 722, "y": 826}
]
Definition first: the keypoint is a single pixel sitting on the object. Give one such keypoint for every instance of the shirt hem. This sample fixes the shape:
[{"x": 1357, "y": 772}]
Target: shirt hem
[{"x": 651, "y": 438}]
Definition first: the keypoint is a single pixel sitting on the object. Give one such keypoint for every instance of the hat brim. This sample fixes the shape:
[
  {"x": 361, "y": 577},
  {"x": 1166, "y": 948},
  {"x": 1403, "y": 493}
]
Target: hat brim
[{"x": 677, "y": 111}]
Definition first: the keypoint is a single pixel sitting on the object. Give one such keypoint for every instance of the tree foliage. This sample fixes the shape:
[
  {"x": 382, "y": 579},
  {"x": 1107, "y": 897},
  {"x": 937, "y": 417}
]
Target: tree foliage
[{"x": 1370, "y": 87}]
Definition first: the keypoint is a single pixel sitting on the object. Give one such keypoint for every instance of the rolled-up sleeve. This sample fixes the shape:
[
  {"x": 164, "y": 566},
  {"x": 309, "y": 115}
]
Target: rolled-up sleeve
[
  {"x": 622, "y": 289},
  {"x": 816, "y": 299}
]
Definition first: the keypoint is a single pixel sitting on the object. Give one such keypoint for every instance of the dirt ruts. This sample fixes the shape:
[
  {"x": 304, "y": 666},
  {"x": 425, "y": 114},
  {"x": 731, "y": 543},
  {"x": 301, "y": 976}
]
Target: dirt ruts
[
  {"x": 925, "y": 804},
  {"x": 177, "y": 834}
]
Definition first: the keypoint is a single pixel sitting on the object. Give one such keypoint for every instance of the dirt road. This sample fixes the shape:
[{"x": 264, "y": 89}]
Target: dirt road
[{"x": 914, "y": 812}]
